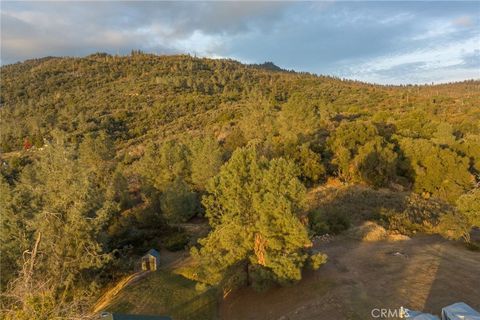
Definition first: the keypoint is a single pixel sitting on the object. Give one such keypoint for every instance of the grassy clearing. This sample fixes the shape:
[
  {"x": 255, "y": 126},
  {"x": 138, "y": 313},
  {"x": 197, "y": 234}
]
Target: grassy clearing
[{"x": 165, "y": 293}]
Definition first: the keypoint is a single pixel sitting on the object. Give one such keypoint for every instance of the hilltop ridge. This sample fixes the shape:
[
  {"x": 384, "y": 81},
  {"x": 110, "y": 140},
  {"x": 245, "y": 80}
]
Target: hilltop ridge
[{"x": 100, "y": 91}]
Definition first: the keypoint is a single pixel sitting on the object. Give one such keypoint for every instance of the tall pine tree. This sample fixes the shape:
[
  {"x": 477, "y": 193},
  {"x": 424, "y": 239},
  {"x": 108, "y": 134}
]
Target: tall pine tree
[{"x": 253, "y": 206}]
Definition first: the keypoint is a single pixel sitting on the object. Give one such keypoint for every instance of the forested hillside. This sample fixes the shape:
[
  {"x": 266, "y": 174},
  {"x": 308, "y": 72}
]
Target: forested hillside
[{"x": 104, "y": 157}]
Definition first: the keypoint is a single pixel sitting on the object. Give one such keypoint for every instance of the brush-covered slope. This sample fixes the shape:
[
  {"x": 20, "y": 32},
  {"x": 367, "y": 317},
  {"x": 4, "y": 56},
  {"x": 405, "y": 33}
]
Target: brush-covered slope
[{"x": 147, "y": 97}]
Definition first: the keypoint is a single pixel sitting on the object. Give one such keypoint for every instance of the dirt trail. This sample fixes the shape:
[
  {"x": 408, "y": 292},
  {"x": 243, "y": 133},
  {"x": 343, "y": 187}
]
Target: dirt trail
[
  {"x": 108, "y": 296},
  {"x": 424, "y": 273}
]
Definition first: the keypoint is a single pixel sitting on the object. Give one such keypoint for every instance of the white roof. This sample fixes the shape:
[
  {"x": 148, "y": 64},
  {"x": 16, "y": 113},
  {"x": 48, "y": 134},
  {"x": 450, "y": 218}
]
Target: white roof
[{"x": 459, "y": 311}]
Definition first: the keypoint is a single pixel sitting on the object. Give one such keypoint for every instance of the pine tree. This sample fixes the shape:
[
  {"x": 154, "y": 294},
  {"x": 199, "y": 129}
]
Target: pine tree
[
  {"x": 178, "y": 202},
  {"x": 253, "y": 206},
  {"x": 162, "y": 164},
  {"x": 205, "y": 161},
  {"x": 14, "y": 235},
  {"x": 66, "y": 215},
  {"x": 345, "y": 142}
]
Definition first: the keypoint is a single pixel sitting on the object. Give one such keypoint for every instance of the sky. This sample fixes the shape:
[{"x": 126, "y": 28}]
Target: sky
[{"x": 383, "y": 42}]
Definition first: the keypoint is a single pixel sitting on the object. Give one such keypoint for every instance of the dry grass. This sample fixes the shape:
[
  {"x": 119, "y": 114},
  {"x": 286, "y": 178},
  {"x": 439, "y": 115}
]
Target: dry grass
[
  {"x": 165, "y": 293},
  {"x": 368, "y": 231},
  {"x": 397, "y": 237},
  {"x": 107, "y": 298},
  {"x": 357, "y": 202}
]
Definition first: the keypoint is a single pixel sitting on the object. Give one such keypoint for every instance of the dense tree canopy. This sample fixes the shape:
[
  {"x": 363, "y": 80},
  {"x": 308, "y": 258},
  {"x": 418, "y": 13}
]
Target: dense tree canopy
[
  {"x": 105, "y": 156},
  {"x": 178, "y": 202},
  {"x": 68, "y": 211},
  {"x": 437, "y": 170},
  {"x": 206, "y": 160}
]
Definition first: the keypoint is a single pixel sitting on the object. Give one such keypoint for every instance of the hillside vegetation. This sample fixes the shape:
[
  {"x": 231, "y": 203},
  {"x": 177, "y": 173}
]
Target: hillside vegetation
[{"x": 105, "y": 157}]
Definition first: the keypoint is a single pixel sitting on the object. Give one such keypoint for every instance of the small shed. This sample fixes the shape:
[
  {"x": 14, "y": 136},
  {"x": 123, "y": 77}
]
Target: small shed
[{"x": 151, "y": 260}]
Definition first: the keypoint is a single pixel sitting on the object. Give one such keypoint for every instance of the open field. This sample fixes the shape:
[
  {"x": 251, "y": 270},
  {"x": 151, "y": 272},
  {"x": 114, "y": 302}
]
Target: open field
[{"x": 429, "y": 273}]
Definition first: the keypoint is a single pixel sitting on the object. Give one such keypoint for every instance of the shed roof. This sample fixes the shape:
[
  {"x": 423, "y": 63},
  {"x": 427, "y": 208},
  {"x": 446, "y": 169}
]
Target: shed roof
[{"x": 153, "y": 252}]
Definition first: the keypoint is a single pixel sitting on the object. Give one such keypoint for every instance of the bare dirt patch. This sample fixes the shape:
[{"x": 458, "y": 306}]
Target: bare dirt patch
[{"x": 425, "y": 273}]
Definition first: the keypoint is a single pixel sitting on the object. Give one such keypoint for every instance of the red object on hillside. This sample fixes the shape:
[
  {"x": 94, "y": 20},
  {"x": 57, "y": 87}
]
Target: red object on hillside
[{"x": 26, "y": 144}]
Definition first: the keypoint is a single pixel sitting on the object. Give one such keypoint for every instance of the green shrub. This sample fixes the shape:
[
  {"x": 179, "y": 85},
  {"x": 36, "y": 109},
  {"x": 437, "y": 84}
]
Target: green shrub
[
  {"x": 454, "y": 226},
  {"x": 419, "y": 215},
  {"x": 345, "y": 142},
  {"x": 317, "y": 259},
  {"x": 376, "y": 163},
  {"x": 334, "y": 221},
  {"x": 338, "y": 223},
  {"x": 261, "y": 279},
  {"x": 318, "y": 225},
  {"x": 176, "y": 241},
  {"x": 436, "y": 170},
  {"x": 459, "y": 224},
  {"x": 201, "y": 287}
]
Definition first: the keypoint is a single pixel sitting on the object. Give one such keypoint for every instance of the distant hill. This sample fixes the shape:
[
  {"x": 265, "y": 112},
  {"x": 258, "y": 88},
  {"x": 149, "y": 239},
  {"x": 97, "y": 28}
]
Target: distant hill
[
  {"x": 268, "y": 66},
  {"x": 143, "y": 97}
]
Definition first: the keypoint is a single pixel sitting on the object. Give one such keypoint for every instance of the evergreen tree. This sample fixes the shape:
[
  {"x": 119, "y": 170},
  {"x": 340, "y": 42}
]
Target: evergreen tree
[
  {"x": 309, "y": 163},
  {"x": 205, "y": 161},
  {"x": 14, "y": 235},
  {"x": 436, "y": 170},
  {"x": 163, "y": 164},
  {"x": 470, "y": 147},
  {"x": 178, "y": 202},
  {"x": 469, "y": 207},
  {"x": 253, "y": 207},
  {"x": 345, "y": 142},
  {"x": 66, "y": 219},
  {"x": 459, "y": 224},
  {"x": 96, "y": 156},
  {"x": 299, "y": 116}
]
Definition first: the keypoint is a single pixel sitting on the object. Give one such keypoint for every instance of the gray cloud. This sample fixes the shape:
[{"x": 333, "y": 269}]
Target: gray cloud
[
  {"x": 60, "y": 28},
  {"x": 388, "y": 42}
]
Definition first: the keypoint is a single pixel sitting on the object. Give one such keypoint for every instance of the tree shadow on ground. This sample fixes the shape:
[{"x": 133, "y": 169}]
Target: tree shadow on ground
[
  {"x": 454, "y": 281},
  {"x": 358, "y": 203}
]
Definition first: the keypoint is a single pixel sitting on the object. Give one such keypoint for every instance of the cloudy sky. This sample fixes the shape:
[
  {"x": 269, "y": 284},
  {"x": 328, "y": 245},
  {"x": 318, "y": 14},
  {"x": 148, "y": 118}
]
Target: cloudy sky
[{"x": 376, "y": 41}]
